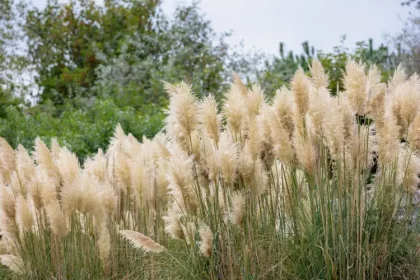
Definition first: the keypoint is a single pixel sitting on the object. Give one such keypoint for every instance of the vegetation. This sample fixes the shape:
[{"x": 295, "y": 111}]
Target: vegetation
[
  {"x": 256, "y": 190},
  {"x": 149, "y": 163}
]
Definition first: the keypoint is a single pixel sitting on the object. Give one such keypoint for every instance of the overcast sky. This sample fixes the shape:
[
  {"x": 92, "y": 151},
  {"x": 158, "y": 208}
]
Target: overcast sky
[{"x": 264, "y": 23}]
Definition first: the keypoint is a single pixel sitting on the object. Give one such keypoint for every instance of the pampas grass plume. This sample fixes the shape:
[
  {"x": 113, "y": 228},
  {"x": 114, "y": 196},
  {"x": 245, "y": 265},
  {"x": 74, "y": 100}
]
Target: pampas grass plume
[
  {"x": 210, "y": 119},
  {"x": 182, "y": 118},
  {"x": 57, "y": 219},
  {"x": 227, "y": 158},
  {"x": 300, "y": 89},
  {"x": 141, "y": 241},
  {"x": 234, "y": 109},
  {"x": 206, "y": 246},
  {"x": 355, "y": 85},
  {"x": 319, "y": 77},
  {"x": 104, "y": 244},
  {"x": 14, "y": 263},
  {"x": 238, "y": 208},
  {"x": 173, "y": 224},
  {"x": 7, "y": 161},
  {"x": 24, "y": 216}
]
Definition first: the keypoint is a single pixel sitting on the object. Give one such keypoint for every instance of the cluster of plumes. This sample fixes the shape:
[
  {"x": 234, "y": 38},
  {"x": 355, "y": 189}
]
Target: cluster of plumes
[
  {"x": 49, "y": 191},
  {"x": 212, "y": 157},
  {"x": 226, "y": 155}
]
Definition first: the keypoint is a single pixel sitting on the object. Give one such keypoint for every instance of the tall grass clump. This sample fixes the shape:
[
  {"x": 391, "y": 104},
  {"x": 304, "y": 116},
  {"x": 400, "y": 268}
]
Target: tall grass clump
[{"x": 304, "y": 186}]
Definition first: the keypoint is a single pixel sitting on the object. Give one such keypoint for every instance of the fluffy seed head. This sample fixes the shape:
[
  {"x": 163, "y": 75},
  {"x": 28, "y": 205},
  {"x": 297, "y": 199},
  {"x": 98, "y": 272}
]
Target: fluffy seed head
[
  {"x": 104, "y": 244},
  {"x": 234, "y": 109},
  {"x": 14, "y": 263},
  {"x": 300, "y": 89},
  {"x": 57, "y": 219},
  {"x": 206, "y": 246},
  {"x": 227, "y": 155},
  {"x": 238, "y": 208},
  {"x": 7, "y": 161},
  {"x": 24, "y": 216},
  {"x": 355, "y": 85},
  {"x": 173, "y": 224},
  {"x": 182, "y": 118},
  {"x": 141, "y": 241},
  {"x": 319, "y": 77},
  {"x": 209, "y": 117}
]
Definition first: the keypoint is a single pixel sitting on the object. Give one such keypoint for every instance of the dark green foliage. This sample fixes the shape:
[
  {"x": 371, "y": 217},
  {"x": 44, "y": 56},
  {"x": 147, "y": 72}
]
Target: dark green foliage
[
  {"x": 67, "y": 42},
  {"x": 279, "y": 71},
  {"x": 82, "y": 131}
]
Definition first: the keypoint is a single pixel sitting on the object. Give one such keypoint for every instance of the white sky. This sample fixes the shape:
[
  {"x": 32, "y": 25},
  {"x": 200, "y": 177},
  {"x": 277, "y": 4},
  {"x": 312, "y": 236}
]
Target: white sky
[{"x": 264, "y": 23}]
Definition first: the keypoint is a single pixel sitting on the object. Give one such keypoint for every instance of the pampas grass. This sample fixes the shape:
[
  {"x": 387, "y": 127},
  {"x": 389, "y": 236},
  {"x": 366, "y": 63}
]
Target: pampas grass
[
  {"x": 141, "y": 241},
  {"x": 303, "y": 186}
]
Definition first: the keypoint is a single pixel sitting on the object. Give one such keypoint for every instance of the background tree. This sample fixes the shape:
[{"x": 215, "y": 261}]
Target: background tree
[
  {"x": 279, "y": 70},
  {"x": 65, "y": 40}
]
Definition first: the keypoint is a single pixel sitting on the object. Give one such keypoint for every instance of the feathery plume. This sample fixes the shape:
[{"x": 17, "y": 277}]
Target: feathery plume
[
  {"x": 260, "y": 178},
  {"x": 355, "y": 85},
  {"x": 258, "y": 134},
  {"x": 408, "y": 165},
  {"x": 305, "y": 151},
  {"x": 141, "y": 241},
  {"x": 7, "y": 161},
  {"x": 181, "y": 118},
  {"x": 282, "y": 108},
  {"x": 234, "y": 109},
  {"x": 334, "y": 129},
  {"x": 14, "y": 263},
  {"x": 398, "y": 78},
  {"x": 209, "y": 156},
  {"x": 319, "y": 77},
  {"x": 376, "y": 106},
  {"x": 239, "y": 84},
  {"x": 7, "y": 201},
  {"x": 388, "y": 136},
  {"x": 24, "y": 217},
  {"x": 120, "y": 170},
  {"x": 246, "y": 163},
  {"x": 57, "y": 219},
  {"x": 300, "y": 89},
  {"x": 180, "y": 169},
  {"x": 68, "y": 166},
  {"x": 210, "y": 119},
  {"x": 238, "y": 208},
  {"x": 318, "y": 106},
  {"x": 227, "y": 156},
  {"x": 414, "y": 134},
  {"x": 173, "y": 223},
  {"x": 45, "y": 161},
  {"x": 254, "y": 100},
  {"x": 104, "y": 244},
  {"x": 280, "y": 138},
  {"x": 406, "y": 103},
  {"x": 96, "y": 166},
  {"x": 26, "y": 170},
  {"x": 71, "y": 197},
  {"x": 206, "y": 245},
  {"x": 16, "y": 185}
]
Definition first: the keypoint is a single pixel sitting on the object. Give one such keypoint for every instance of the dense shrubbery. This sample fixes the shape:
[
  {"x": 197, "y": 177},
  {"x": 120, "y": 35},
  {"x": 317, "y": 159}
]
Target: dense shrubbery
[{"x": 82, "y": 131}]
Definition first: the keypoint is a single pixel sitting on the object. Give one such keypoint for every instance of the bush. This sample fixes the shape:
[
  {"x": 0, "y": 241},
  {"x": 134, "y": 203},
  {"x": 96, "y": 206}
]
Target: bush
[{"x": 83, "y": 131}]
